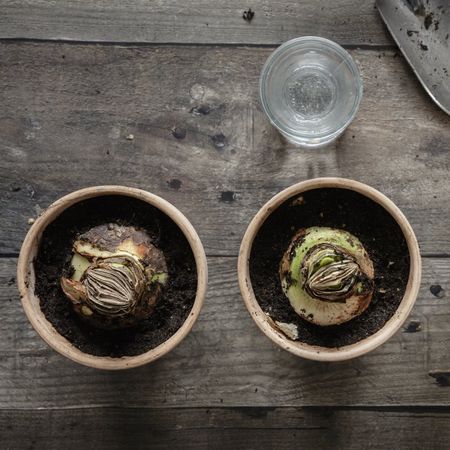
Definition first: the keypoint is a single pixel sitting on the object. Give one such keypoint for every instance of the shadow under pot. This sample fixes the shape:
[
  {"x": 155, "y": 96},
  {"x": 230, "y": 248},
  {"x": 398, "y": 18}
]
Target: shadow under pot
[
  {"x": 329, "y": 269},
  {"x": 112, "y": 277}
]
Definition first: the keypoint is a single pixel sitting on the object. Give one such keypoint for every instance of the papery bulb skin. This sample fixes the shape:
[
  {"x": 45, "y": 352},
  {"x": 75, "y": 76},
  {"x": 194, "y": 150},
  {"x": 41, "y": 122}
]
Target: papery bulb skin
[
  {"x": 327, "y": 275},
  {"x": 117, "y": 276}
]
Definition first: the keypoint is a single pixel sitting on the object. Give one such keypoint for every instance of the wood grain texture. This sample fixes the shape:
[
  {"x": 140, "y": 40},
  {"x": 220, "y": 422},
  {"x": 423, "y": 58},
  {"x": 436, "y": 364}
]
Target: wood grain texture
[
  {"x": 200, "y": 139},
  {"x": 227, "y": 361},
  {"x": 197, "y": 21},
  {"x": 225, "y": 428},
  {"x": 184, "y": 122}
]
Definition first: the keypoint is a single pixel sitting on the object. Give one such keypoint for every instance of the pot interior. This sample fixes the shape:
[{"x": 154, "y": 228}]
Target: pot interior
[
  {"x": 53, "y": 257},
  {"x": 340, "y": 208}
]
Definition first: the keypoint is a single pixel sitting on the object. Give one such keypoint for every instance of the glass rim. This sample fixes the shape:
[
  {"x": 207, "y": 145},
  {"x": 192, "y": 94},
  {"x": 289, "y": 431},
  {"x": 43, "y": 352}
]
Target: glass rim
[{"x": 315, "y": 41}]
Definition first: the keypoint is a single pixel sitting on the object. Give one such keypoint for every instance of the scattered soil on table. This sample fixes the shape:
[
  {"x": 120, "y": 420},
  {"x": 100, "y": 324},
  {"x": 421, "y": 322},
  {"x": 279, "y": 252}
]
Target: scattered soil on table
[
  {"x": 248, "y": 15},
  {"x": 339, "y": 208},
  {"x": 54, "y": 257},
  {"x": 227, "y": 196},
  {"x": 413, "y": 327},
  {"x": 428, "y": 20}
]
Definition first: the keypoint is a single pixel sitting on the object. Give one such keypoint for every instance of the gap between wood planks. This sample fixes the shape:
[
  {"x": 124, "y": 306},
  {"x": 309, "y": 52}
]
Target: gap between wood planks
[
  {"x": 374, "y": 47},
  {"x": 430, "y": 409}
]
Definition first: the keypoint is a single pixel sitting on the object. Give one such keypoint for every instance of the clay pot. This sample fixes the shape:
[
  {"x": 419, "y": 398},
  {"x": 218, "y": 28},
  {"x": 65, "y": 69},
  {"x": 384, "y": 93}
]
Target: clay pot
[
  {"x": 26, "y": 278},
  {"x": 312, "y": 351}
]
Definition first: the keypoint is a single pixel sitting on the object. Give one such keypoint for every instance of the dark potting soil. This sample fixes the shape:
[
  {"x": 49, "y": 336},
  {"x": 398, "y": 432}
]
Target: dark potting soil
[
  {"x": 338, "y": 208},
  {"x": 54, "y": 257}
]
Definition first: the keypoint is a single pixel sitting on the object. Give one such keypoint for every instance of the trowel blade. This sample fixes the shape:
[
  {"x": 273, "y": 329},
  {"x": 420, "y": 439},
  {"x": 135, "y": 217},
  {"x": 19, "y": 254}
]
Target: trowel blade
[{"x": 421, "y": 29}]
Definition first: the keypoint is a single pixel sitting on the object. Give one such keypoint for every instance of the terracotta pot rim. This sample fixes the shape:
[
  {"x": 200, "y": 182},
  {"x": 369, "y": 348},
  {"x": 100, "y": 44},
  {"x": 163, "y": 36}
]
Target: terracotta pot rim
[
  {"x": 30, "y": 302},
  {"x": 314, "y": 352}
]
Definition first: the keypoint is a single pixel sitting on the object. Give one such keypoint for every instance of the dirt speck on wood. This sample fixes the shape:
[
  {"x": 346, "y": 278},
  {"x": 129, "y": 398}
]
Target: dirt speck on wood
[
  {"x": 227, "y": 196},
  {"x": 437, "y": 291},
  {"x": 442, "y": 377},
  {"x": 413, "y": 327}
]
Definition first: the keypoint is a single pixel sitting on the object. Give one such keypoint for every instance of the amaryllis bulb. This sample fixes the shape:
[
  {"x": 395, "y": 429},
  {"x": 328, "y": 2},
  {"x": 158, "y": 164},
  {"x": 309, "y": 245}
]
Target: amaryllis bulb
[
  {"x": 117, "y": 276},
  {"x": 327, "y": 275}
]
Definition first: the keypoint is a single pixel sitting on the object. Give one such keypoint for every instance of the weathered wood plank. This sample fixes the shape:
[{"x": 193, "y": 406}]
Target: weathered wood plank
[
  {"x": 224, "y": 428},
  {"x": 196, "y": 21},
  {"x": 226, "y": 361},
  {"x": 200, "y": 137}
]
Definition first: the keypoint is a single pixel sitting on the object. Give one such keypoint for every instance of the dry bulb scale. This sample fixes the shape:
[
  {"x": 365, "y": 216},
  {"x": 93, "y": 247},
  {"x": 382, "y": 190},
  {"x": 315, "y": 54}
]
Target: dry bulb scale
[{"x": 116, "y": 276}]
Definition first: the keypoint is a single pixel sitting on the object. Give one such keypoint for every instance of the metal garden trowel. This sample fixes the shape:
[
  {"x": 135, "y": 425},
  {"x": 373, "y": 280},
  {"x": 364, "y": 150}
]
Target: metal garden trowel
[{"x": 421, "y": 29}]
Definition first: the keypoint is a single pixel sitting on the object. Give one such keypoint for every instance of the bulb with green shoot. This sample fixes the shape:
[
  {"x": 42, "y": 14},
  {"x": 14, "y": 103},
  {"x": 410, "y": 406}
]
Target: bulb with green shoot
[
  {"x": 327, "y": 275},
  {"x": 116, "y": 276}
]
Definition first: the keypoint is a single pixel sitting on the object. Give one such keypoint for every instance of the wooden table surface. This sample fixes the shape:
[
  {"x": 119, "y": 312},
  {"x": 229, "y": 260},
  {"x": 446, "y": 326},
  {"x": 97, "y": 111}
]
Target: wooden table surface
[{"x": 77, "y": 77}]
